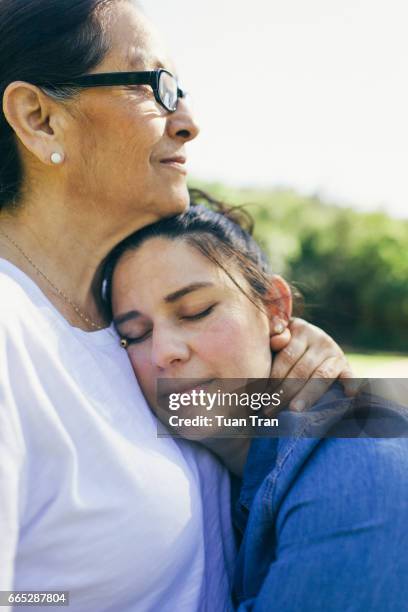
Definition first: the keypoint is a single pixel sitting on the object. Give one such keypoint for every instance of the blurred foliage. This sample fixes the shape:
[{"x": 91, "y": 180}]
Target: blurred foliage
[{"x": 351, "y": 267}]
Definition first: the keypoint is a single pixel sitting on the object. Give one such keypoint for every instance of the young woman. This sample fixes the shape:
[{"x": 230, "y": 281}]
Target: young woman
[
  {"x": 323, "y": 520},
  {"x": 93, "y": 137}
]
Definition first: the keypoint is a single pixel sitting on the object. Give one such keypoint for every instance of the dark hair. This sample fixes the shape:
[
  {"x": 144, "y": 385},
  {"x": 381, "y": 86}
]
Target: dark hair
[
  {"x": 47, "y": 40},
  {"x": 222, "y": 233}
]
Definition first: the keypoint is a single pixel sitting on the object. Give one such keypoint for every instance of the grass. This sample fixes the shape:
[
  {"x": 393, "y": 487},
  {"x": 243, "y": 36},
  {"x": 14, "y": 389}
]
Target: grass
[{"x": 377, "y": 363}]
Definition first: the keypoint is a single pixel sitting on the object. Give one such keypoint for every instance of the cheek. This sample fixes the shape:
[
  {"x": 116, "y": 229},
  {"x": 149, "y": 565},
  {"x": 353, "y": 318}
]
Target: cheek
[
  {"x": 124, "y": 132},
  {"x": 132, "y": 144},
  {"x": 143, "y": 369},
  {"x": 112, "y": 161},
  {"x": 236, "y": 346},
  {"x": 219, "y": 338}
]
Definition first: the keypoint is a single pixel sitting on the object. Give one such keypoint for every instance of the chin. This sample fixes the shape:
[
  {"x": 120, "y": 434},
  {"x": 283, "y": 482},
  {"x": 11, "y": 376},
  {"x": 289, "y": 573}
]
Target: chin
[{"x": 176, "y": 202}]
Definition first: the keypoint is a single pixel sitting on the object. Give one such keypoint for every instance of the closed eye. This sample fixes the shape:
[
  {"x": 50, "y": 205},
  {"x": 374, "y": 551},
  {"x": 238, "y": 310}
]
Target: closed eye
[
  {"x": 195, "y": 317},
  {"x": 200, "y": 315},
  {"x": 138, "y": 339}
]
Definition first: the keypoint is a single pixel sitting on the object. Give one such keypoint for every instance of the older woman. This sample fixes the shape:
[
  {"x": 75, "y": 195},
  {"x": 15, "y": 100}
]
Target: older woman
[{"x": 92, "y": 148}]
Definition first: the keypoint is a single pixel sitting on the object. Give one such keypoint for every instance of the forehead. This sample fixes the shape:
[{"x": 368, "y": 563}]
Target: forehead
[
  {"x": 172, "y": 260},
  {"x": 135, "y": 42},
  {"x": 160, "y": 266}
]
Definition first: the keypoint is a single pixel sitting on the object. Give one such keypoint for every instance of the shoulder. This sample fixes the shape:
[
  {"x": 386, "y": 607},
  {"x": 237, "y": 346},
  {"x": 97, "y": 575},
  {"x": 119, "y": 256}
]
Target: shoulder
[
  {"x": 10, "y": 289},
  {"x": 344, "y": 472},
  {"x": 15, "y": 296},
  {"x": 22, "y": 304},
  {"x": 351, "y": 490},
  {"x": 359, "y": 435},
  {"x": 342, "y": 466},
  {"x": 26, "y": 337}
]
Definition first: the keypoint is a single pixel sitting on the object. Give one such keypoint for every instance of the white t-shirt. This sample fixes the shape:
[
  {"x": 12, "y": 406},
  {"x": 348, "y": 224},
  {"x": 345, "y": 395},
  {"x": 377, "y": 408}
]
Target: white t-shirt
[{"x": 91, "y": 500}]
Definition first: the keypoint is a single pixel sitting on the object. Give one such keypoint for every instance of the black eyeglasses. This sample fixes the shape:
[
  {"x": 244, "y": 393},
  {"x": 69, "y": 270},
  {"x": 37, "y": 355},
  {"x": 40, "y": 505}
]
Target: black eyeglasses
[{"x": 165, "y": 86}]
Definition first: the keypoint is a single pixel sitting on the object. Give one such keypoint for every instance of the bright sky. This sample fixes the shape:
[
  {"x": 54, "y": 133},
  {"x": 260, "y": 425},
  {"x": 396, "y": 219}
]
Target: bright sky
[{"x": 310, "y": 94}]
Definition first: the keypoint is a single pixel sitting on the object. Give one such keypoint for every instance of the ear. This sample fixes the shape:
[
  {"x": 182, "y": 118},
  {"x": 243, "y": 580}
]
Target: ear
[
  {"x": 34, "y": 118},
  {"x": 278, "y": 302}
]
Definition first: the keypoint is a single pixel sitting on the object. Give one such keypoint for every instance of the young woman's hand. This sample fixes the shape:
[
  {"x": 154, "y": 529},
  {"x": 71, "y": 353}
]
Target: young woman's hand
[{"x": 306, "y": 353}]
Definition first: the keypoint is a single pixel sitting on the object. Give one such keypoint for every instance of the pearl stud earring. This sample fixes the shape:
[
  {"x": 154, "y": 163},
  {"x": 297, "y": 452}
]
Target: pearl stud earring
[{"x": 56, "y": 158}]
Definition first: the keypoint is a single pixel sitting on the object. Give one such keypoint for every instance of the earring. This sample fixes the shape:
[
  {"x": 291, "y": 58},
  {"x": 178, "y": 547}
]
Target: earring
[
  {"x": 124, "y": 343},
  {"x": 56, "y": 158}
]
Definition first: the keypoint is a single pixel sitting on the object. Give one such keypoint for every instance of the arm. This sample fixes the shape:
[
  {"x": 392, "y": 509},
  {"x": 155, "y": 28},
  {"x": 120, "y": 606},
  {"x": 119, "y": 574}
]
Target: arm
[
  {"x": 335, "y": 535},
  {"x": 306, "y": 352}
]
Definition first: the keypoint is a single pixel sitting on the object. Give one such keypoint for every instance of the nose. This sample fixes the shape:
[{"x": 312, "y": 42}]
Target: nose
[
  {"x": 181, "y": 124},
  {"x": 168, "y": 349}
]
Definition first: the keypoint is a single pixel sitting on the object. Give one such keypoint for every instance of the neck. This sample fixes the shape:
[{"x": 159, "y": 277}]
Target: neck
[{"x": 68, "y": 244}]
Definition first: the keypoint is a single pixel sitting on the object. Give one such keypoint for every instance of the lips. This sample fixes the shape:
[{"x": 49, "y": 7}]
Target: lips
[
  {"x": 176, "y": 163},
  {"x": 176, "y": 159}
]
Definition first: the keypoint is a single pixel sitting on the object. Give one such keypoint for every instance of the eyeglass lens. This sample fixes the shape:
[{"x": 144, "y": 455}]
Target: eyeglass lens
[{"x": 168, "y": 91}]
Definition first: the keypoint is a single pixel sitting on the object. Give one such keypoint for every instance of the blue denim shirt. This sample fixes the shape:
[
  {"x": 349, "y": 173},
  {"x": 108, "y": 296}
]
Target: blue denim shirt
[{"x": 324, "y": 523}]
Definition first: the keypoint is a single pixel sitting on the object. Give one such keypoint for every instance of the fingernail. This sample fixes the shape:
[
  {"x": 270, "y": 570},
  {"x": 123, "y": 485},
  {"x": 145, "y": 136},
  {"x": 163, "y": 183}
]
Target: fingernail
[
  {"x": 279, "y": 328},
  {"x": 298, "y": 405}
]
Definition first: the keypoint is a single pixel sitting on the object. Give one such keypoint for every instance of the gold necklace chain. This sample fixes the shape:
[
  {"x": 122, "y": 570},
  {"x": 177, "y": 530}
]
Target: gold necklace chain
[{"x": 79, "y": 312}]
